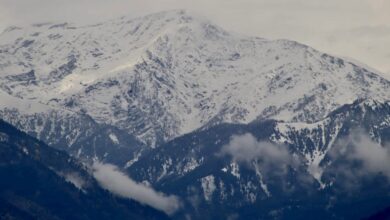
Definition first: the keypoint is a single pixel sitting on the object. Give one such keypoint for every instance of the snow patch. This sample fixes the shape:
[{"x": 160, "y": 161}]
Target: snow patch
[
  {"x": 235, "y": 170},
  {"x": 208, "y": 186},
  {"x": 262, "y": 184},
  {"x": 114, "y": 138},
  {"x": 25, "y": 150}
]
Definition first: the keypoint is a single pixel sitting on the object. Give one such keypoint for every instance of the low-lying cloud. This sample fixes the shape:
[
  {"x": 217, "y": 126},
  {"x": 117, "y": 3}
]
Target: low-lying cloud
[
  {"x": 361, "y": 156},
  {"x": 270, "y": 157},
  {"x": 110, "y": 178},
  {"x": 75, "y": 179}
]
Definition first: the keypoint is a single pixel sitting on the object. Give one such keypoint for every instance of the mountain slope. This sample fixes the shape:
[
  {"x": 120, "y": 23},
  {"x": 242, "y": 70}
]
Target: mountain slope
[
  {"x": 237, "y": 126},
  {"x": 262, "y": 181},
  {"x": 76, "y": 133},
  {"x": 39, "y": 182},
  {"x": 167, "y": 74}
]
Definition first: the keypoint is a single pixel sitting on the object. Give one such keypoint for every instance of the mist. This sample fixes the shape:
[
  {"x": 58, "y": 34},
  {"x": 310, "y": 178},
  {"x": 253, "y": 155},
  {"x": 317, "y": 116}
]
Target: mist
[
  {"x": 112, "y": 179},
  {"x": 269, "y": 157},
  {"x": 361, "y": 157}
]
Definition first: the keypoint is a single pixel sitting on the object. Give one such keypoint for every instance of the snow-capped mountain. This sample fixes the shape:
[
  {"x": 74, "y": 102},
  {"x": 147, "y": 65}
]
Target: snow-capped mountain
[
  {"x": 116, "y": 90},
  {"x": 164, "y": 75},
  {"x": 76, "y": 133}
]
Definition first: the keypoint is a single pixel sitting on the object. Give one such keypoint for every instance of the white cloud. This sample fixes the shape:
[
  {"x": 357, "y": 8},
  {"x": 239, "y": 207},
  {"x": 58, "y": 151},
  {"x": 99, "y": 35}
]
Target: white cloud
[
  {"x": 269, "y": 157},
  {"x": 375, "y": 157},
  {"x": 75, "y": 179},
  {"x": 359, "y": 148},
  {"x": 110, "y": 178}
]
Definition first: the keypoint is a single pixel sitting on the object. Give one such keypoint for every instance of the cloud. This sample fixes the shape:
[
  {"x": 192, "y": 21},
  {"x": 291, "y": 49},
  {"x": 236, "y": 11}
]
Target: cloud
[
  {"x": 359, "y": 156},
  {"x": 110, "y": 178},
  {"x": 75, "y": 179},
  {"x": 269, "y": 157}
]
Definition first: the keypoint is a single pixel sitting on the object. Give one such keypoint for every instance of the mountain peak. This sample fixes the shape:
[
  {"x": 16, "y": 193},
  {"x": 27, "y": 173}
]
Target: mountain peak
[{"x": 168, "y": 73}]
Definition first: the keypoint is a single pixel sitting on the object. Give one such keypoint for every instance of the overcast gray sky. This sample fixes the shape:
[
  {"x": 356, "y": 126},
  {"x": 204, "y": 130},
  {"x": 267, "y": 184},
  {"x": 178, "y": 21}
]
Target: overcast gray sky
[{"x": 359, "y": 29}]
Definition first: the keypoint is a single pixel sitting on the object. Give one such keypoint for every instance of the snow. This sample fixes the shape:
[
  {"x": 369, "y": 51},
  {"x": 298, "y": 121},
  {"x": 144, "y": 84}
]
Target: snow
[
  {"x": 25, "y": 150},
  {"x": 192, "y": 164},
  {"x": 170, "y": 73},
  {"x": 3, "y": 137},
  {"x": 79, "y": 151},
  {"x": 114, "y": 138},
  {"x": 208, "y": 186},
  {"x": 25, "y": 106},
  {"x": 315, "y": 156},
  {"x": 235, "y": 170},
  {"x": 132, "y": 161},
  {"x": 262, "y": 184},
  {"x": 166, "y": 165},
  {"x": 314, "y": 159}
]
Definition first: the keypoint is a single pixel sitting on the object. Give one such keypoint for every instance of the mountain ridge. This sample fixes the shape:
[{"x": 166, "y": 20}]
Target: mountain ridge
[
  {"x": 42, "y": 182},
  {"x": 166, "y": 74},
  {"x": 193, "y": 167},
  {"x": 236, "y": 126}
]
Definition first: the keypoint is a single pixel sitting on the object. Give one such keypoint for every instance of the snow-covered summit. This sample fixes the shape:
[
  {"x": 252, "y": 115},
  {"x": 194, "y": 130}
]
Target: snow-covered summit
[{"x": 169, "y": 73}]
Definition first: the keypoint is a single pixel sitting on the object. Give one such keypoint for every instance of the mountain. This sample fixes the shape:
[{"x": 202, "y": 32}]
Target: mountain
[
  {"x": 313, "y": 178},
  {"x": 163, "y": 75},
  {"x": 238, "y": 127},
  {"x": 39, "y": 182},
  {"x": 78, "y": 134},
  {"x": 382, "y": 215}
]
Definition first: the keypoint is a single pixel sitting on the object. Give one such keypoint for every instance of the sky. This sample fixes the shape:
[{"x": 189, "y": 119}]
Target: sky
[{"x": 358, "y": 29}]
